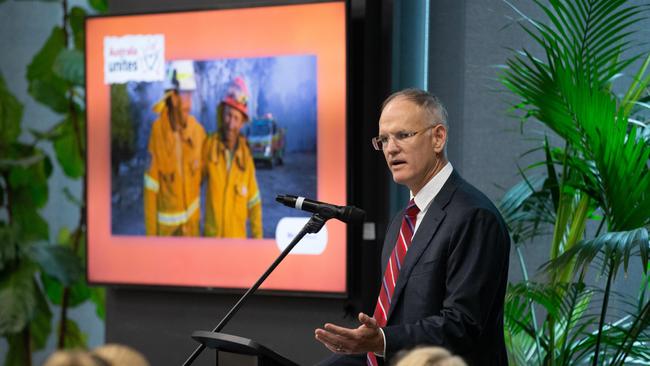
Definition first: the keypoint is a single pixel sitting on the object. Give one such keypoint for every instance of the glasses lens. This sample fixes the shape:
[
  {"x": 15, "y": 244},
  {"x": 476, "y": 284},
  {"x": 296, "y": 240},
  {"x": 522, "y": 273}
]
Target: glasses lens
[{"x": 376, "y": 144}]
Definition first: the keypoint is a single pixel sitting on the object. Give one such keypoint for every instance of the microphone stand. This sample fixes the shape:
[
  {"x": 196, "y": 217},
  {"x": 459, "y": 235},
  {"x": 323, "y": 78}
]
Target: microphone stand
[{"x": 313, "y": 226}]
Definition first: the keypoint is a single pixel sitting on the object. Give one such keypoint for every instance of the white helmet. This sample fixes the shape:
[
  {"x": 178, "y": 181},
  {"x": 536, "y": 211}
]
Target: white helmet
[{"x": 180, "y": 76}]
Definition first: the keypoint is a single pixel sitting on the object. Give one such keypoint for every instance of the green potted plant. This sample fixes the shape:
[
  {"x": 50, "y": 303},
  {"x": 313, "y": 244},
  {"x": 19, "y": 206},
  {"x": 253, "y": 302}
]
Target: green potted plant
[
  {"x": 594, "y": 172},
  {"x": 37, "y": 271}
]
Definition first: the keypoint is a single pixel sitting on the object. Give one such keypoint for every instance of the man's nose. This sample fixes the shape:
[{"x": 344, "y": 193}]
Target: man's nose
[{"x": 391, "y": 145}]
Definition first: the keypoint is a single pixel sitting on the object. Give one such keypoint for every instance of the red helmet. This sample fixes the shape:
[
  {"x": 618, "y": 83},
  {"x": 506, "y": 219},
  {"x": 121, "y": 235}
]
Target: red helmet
[{"x": 236, "y": 96}]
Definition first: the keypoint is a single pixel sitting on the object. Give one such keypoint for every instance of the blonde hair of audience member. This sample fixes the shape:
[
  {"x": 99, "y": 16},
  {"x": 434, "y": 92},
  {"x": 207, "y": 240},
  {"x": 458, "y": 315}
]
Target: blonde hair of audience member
[
  {"x": 73, "y": 358},
  {"x": 430, "y": 356},
  {"x": 120, "y": 355}
]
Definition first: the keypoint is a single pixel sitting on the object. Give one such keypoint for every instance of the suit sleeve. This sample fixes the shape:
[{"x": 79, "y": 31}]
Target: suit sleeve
[
  {"x": 151, "y": 189},
  {"x": 476, "y": 271}
]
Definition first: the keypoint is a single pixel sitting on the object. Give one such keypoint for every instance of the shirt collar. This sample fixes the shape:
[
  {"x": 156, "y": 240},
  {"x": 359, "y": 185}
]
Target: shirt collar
[{"x": 426, "y": 195}]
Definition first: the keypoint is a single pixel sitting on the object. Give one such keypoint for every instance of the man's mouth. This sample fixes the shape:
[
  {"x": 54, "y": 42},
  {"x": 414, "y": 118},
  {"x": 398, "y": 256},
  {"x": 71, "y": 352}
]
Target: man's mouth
[{"x": 397, "y": 163}]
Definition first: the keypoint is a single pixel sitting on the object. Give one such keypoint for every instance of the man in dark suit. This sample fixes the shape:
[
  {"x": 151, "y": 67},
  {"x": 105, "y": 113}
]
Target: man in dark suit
[{"x": 445, "y": 257}]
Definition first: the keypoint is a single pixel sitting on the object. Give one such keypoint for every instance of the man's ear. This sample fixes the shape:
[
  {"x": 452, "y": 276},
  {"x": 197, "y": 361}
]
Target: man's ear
[{"x": 439, "y": 134}]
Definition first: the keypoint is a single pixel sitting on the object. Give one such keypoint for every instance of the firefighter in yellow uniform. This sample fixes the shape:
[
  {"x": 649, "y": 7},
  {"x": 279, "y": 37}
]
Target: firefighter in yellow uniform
[
  {"x": 233, "y": 197},
  {"x": 172, "y": 180}
]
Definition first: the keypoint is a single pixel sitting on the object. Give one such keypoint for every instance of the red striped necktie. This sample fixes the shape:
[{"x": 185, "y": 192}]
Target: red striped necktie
[{"x": 393, "y": 267}]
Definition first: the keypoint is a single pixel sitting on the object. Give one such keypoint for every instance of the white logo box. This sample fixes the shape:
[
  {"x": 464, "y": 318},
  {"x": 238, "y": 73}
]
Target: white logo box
[{"x": 139, "y": 57}]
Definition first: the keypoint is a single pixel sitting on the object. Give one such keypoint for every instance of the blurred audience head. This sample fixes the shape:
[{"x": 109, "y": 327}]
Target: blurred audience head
[
  {"x": 120, "y": 355},
  {"x": 429, "y": 356},
  {"x": 106, "y": 355},
  {"x": 74, "y": 358}
]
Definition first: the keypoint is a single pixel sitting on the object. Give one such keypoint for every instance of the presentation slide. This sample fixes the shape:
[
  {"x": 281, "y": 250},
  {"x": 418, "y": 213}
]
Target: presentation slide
[{"x": 195, "y": 122}]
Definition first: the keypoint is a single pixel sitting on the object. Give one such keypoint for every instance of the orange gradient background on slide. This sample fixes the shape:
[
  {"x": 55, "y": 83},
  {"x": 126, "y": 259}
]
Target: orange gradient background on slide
[{"x": 317, "y": 29}]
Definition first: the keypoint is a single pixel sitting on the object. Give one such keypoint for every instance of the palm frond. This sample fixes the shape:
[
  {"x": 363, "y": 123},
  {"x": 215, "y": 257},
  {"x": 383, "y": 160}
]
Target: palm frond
[
  {"x": 567, "y": 304},
  {"x": 527, "y": 209},
  {"x": 618, "y": 247}
]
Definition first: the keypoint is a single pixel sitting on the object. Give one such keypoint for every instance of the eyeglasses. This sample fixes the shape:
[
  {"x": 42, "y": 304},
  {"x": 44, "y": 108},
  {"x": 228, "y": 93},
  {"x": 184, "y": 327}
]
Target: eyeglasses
[{"x": 381, "y": 142}]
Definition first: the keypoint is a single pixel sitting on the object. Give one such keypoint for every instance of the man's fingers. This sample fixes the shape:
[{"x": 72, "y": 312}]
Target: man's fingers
[
  {"x": 367, "y": 321},
  {"x": 333, "y": 342},
  {"x": 340, "y": 331},
  {"x": 329, "y": 338}
]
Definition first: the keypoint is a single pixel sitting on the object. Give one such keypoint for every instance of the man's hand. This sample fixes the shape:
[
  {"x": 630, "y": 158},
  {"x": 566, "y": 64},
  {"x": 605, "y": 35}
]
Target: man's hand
[{"x": 365, "y": 338}]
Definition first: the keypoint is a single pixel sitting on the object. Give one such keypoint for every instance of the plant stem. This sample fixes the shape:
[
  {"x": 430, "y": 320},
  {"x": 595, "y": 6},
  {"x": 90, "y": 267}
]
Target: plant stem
[
  {"x": 633, "y": 333},
  {"x": 576, "y": 230},
  {"x": 603, "y": 310},
  {"x": 550, "y": 356},
  {"x": 600, "y": 227},
  {"x": 63, "y": 321},
  {"x": 65, "y": 298},
  {"x": 27, "y": 339},
  {"x": 524, "y": 272}
]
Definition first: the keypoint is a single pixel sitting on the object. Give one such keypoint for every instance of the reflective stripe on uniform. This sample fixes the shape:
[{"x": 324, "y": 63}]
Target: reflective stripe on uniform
[
  {"x": 150, "y": 183},
  {"x": 178, "y": 218},
  {"x": 254, "y": 200}
]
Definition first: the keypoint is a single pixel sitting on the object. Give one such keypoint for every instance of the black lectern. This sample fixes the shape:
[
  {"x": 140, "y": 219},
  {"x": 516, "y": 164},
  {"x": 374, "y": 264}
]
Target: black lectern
[
  {"x": 229, "y": 343},
  {"x": 244, "y": 346}
]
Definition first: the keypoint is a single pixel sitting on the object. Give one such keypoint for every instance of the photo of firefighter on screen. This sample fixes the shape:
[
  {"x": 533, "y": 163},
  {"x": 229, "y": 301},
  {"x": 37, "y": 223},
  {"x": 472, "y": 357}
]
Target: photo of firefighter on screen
[
  {"x": 172, "y": 179},
  {"x": 204, "y": 152}
]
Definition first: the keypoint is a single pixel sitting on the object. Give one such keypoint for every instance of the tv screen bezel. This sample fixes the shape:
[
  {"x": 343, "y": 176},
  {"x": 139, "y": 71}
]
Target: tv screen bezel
[{"x": 348, "y": 175}]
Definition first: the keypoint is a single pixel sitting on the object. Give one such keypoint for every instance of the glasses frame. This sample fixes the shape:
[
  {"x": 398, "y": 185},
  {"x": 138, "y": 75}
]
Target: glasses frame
[{"x": 404, "y": 135}]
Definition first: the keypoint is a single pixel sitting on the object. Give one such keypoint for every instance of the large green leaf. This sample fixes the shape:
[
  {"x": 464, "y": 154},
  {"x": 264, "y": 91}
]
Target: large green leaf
[
  {"x": 19, "y": 351},
  {"x": 77, "y": 18},
  {"x": 74, "y": 337},
  {"x": 69, "y": 65},
  {"x": 67, "y": 149},
  {"x": 58, "y": 262},
  {"x": 98, "y": 296},
  {"x": 75, "y": 240},
  {"x": 31, "y": 181},
  {"x": 41, "y": 324},
  {"x": 44, "y": 85},
  {"x": 29, "y": 192},
  {"x": 8, "y": 246},
  {"x": 31, "y": 225},
  {"x": 11, "y": 113},
  {"x": 17, "y": 298},
  {"x": 79, "y": 292},
  {"x": 100, "y": 5}
]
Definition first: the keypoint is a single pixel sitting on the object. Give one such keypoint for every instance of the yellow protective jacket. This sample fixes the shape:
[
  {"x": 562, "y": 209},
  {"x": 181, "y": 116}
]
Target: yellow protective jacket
[
  {"x": 233, "y": 197},
  {"x": 172, "y": 181}
]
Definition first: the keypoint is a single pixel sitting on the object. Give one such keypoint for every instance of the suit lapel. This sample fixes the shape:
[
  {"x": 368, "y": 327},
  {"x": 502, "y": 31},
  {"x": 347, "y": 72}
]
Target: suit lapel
[{"x": 424, "y": 235}]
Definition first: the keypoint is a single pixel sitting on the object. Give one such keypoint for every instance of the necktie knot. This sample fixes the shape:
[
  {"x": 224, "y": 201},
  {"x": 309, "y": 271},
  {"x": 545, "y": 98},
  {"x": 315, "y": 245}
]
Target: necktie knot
[{"x": 412, "y": 209}]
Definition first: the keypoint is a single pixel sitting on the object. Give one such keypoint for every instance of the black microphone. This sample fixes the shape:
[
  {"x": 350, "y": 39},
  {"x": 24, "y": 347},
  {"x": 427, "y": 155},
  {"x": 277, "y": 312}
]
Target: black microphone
[{"x": 349, "y": 214}]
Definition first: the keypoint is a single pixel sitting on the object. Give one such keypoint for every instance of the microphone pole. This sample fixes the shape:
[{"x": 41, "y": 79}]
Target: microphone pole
[{"x": 314, "y": 225}]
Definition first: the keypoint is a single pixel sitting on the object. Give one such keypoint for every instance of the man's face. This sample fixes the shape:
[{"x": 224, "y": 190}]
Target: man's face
[
  {"x": 233, "y": 120},
  {"x": 186, "y": 102},
  {"x": 413, "y": 160}
]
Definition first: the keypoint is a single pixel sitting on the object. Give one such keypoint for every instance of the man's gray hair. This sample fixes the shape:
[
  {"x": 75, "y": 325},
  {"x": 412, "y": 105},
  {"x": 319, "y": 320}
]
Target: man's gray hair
[{"x": 423, "y": 99}]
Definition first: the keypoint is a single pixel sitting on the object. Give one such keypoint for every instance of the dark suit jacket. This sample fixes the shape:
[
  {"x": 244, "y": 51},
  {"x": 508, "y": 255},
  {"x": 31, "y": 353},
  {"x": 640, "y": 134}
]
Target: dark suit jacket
[{"x": 452, "y": 284}]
